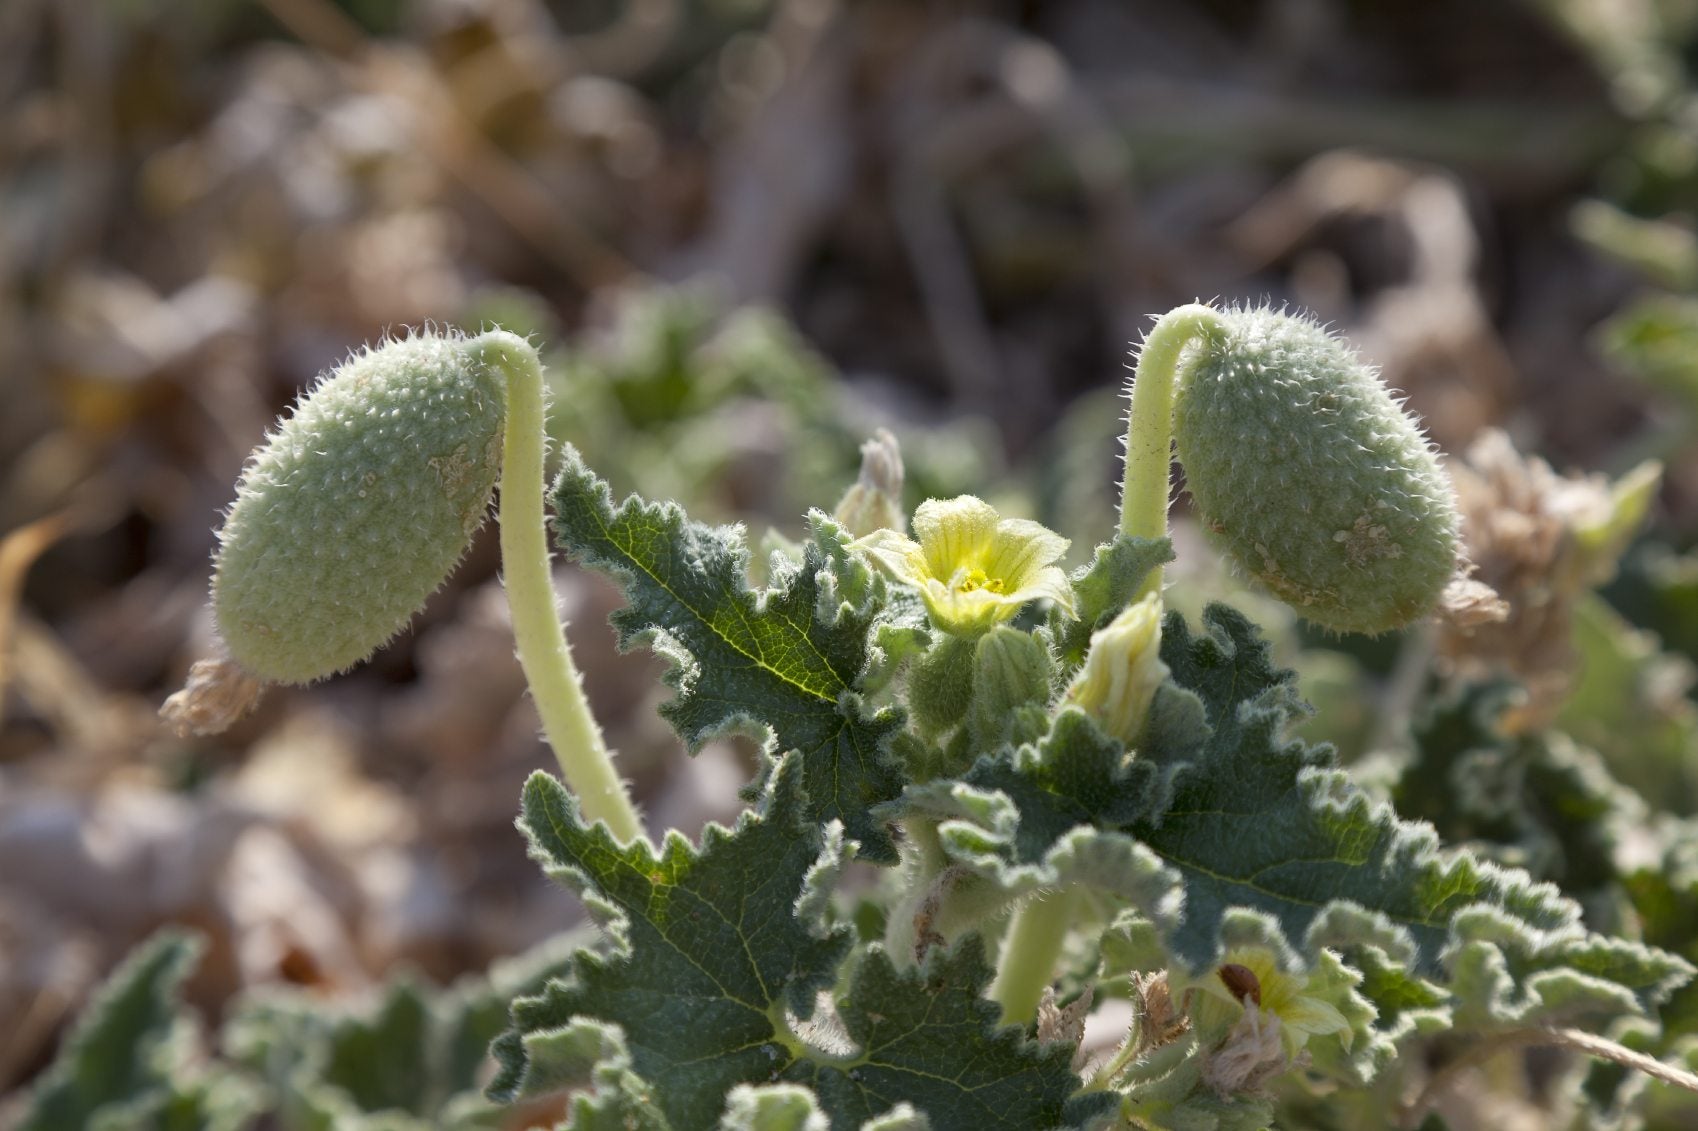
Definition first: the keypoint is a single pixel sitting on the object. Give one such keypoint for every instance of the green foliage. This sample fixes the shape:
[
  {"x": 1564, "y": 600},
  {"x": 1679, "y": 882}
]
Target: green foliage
[
  {"x": 669, "y": 393},
  {"x": 706, "y": 946},
  {"x": 1664, "y": 895},
  {"x": 1655, "y": 339},
  {"x": 1249, "y": 820},
  {"x": 1536, "y": 801},
  {"x": 1657, "y": 589},
  {"x": 719, "y": 956},
  {"x": 414, "y": 1058},
  {"x": 1103, "y": 588},
  {"x": 381, "y": 1068},
  {"x": 124, "y": 1066},
  {"x": 1311, "y": 830},
  {"x": 960, "y": 816},
  {"x": 1629, "y": 703},
  {"x": 928, "y": 1037},
  {"x": 763, "y": 664}
]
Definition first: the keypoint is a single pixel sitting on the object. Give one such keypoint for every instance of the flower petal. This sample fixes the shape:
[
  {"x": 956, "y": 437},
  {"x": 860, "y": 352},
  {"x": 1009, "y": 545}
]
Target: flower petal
[
  {"x": 897, "y": 555},
  {"x": 1312, "y": 1016},
  {"x": 956, "y": 611},
  {"x": 1050, "y": 582},
  {"x": 1020, "y": 549},
  {"x": 956, "y": 533}
]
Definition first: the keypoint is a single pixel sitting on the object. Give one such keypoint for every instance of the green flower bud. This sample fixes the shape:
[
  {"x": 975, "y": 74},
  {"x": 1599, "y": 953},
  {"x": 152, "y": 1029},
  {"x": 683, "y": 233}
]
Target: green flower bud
[
  {"x": 940, "y": 684},
  {"x": 874, "y": 502},
  {"x": 358, "y": 507},
  {"x": 1123, "y": 671},
  {"x": 1011, "y": 688},
  {"x": 1311, "y": 475}
]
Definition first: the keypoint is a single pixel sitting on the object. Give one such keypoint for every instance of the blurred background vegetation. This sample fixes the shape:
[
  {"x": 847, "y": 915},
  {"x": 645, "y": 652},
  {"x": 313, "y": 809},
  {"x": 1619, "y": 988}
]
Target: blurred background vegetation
[{"x": 749, "y": 232}]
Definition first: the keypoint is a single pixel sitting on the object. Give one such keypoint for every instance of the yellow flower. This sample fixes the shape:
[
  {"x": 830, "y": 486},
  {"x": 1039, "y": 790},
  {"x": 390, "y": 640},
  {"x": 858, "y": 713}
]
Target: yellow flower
[
  {"x": 1266, "y": 992},
  {"x": 973, "y": 568},
  {"x": 1123, "y": 670}
]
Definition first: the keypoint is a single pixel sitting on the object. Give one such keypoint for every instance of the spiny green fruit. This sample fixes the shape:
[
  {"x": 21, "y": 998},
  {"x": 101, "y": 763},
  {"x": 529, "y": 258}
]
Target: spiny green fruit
[
  {"x": 358, "y": 506},
  {"x": 1311, "y": 475}
]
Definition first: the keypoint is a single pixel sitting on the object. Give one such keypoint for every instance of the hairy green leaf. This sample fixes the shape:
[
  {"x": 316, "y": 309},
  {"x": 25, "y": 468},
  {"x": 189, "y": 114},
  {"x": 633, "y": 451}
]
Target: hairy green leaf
[
  {"x": 744, "y": 661},
  {"x": 1664, "y": 894},
  {"x": 720, "y": 957},
  {"x": 124, "y": 1050},
  {"x": 1248, "y": 819},
  {"x": 412, "y": 1060},
  {"x": 1265, "y": 824},
  {"x": 1534, "y": 800},
  {"x": 928, "y": 1038},
  {"x": 589, "y": 1052},
  {"x": 1102, "y": 589},
  {"x": 708, "y": 949},
  {"x": 772, "y": 1107},
  {"x": 1048, "y": 815}
]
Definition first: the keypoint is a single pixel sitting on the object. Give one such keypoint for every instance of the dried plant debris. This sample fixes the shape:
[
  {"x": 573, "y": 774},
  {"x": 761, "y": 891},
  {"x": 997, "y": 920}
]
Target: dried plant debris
[{"x": 1541, "y": 541}]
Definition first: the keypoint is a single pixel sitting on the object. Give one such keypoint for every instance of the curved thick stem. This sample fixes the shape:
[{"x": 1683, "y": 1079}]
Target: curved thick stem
[
  {"x": 1145, "y": 491},
  {"x": 543, "y": 654},
  {"x": 1029, "y": 950}
]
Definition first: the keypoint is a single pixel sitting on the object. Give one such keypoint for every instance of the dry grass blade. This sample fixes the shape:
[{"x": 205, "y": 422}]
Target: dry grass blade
[{"x": 18, "y": 551}]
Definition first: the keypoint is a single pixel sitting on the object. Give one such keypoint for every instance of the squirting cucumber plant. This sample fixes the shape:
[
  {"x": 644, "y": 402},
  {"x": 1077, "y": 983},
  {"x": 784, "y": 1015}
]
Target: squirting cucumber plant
[{"x": 1070, "y": 799}]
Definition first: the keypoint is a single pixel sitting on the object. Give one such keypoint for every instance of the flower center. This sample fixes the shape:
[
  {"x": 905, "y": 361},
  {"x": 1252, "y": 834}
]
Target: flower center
[{"x": 977, "y": 579}]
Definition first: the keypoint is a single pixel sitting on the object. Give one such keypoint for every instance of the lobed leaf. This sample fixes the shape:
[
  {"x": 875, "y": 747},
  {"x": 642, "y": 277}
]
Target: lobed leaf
[
  {"x": 1248, "y": 819},
  {"x": 122, "y": 1053},
  {"x": 707, "y": 948},
  {"x": 766, "y": 662},
  {"x": 1535, "y": 800},
  {"x": 718, "y": 977},
  {"x": 589, "y": 1052},
  {"x": 1268, "y": 826},
  {"x": 1048, "y": 815},
  {"x": 927, "y": 1037},
  {"x": 772, "y": 1107}
]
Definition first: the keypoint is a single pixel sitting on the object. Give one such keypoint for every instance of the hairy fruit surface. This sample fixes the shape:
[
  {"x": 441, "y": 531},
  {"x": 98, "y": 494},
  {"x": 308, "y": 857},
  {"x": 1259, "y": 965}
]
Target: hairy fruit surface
[
  {"x": 1310, "y": 474},
  {"x": 358, "y": 506}
]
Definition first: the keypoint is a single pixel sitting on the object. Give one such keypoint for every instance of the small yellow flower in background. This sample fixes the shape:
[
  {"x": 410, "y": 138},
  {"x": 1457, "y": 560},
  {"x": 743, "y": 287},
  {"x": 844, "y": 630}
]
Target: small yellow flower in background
[
  {"x": 1275, "y": 993},
  {"x": 973, "y": 568},
  {"x": 1123, "y": 670}
]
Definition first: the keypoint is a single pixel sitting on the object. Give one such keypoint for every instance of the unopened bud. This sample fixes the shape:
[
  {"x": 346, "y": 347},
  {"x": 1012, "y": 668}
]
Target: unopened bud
[
  {"x": 1123, "y": 671},
  {"x": 875, "y": 500}
]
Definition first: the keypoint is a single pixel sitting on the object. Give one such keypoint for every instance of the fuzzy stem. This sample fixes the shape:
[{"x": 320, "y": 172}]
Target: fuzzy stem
[
  {"x": 543, "y": 654},
  {"x": 944, "y": 900},
  {"x": 1103, "y": 1077},
  {"x": 1145, "y": 491},
  {"x": 1029, "y": 950}
]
